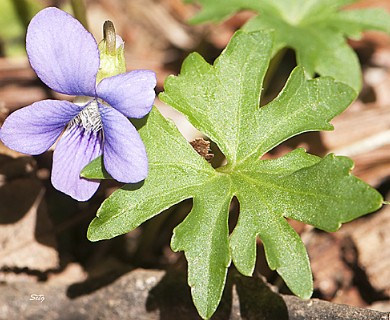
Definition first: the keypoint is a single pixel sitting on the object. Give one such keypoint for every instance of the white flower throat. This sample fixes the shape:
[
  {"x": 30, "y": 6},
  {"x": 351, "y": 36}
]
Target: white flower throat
[{"x": 89, "y": 118}]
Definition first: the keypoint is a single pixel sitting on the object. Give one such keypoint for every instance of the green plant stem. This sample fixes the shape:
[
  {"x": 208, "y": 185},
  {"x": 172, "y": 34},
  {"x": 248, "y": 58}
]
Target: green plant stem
[
  {"x": 80, "y": 11},
  {"x": 149, "y": 236},
  {"x": 153, "y": 229},
  {"x": 273, "y": 67},
  {"x": 22, "y": 10}
]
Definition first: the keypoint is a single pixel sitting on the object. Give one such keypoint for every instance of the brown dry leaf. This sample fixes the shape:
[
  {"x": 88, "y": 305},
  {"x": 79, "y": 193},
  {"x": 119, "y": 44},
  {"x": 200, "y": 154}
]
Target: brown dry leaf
[
  {"x": 18, "y": 85},
  {"x": 371, "y": 239},
  {"x": 20, "y": 246},
  {"x": 331, "y": 276},
  {"x": 26, "y": 235}
]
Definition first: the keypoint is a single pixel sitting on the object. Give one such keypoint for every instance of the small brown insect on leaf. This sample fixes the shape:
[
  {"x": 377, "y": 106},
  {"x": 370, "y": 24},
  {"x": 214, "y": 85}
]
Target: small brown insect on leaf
[{"x": 202, "y": 147}]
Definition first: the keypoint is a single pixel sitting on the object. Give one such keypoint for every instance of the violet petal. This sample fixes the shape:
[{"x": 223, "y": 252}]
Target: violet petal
[
  {"x": 35, "y": 128},
  {"x": 124, "y": 153},
  {"x": 76, "y": 148},
  {"x": 131, "y": 93},
  {"x": 64, "y": 55}
]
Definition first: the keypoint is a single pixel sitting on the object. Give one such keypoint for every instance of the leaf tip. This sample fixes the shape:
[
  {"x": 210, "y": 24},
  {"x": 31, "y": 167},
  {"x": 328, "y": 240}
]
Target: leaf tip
[
  {"x": 306, "y": 295},
  {"x": 92, "y": 235}
]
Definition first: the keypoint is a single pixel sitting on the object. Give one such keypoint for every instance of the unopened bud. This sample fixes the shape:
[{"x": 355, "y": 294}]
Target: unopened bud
[{"x": 112, "y": 56}]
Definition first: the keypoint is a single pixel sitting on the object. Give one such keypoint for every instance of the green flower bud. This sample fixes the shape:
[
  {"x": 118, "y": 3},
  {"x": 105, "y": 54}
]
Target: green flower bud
[{"x": 112, "y": 54}]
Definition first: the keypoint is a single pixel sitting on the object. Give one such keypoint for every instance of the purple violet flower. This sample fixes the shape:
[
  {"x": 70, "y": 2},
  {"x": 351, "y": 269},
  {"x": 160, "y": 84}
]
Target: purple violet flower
[{"x": 65, "y": 57}]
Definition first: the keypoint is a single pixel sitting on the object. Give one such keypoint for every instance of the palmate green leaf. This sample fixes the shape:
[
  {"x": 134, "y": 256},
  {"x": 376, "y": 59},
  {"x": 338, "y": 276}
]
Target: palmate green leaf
[
  {"x": 315, "y": 29},
  {"x": 316, "y": 191},
  {"x": 222, "y": 100},
  {"x": 216, "y": 109},
  {"x": 175, "y": 172},
  {"x": 217, "y": 10},
  {"x": 307, "y": 188},
  {"x": 203, "y": 236}
]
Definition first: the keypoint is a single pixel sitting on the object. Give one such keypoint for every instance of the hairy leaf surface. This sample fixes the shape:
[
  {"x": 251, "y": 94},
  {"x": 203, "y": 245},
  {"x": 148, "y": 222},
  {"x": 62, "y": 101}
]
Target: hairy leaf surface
[
  {"x": 222, "y": 100},
  {"x": 315, "y": 29}
]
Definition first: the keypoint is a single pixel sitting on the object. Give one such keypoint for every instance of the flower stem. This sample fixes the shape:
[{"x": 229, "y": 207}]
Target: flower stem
[
  {"x": 80, "y": 11},
  {"x": 22, "y": 10},
  {"x": 273, "y": 66}
]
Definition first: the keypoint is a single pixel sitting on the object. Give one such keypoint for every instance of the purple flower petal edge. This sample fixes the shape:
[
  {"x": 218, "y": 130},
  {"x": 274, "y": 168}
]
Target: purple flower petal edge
[
  {"x": 124, "y": 153},
  {"x": 64, "y": 55},
  {"x": 35, "y": 128},
  {"x": 74, "y": 151},
  {"x": 130, "y": 93}
]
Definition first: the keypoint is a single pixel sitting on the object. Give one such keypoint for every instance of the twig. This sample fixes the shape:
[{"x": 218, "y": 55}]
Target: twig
[{"x": 80, "y": 12}]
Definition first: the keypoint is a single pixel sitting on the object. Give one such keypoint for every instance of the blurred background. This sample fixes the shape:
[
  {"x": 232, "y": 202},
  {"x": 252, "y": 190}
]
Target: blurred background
[{"x": 43, "y": 232}]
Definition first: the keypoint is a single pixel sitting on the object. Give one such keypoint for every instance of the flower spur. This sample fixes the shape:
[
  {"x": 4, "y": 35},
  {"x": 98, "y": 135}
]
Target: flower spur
[{"x": 66, "y": 58}]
